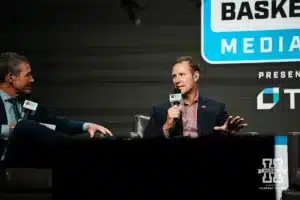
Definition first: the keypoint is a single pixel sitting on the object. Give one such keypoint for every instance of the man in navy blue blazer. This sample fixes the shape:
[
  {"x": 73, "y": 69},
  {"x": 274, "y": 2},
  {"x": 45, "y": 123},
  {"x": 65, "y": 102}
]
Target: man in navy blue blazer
[
  {"x": 15, "y": 85},
  {"x": 196, "y": 115}
]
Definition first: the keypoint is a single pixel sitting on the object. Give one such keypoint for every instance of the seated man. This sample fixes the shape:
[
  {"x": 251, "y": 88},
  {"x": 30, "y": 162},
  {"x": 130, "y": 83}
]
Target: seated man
[
  {"x": 15, "y": 85},
  {"x": 197, "y": 115}
]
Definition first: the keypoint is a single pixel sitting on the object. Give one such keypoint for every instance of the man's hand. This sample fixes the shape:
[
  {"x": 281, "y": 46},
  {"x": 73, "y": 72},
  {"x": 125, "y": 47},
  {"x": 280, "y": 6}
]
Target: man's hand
[
  {"x": 173, "y": 112},
  {"x": 92, "y": 128},
  {"x": 232, "y": 125}
]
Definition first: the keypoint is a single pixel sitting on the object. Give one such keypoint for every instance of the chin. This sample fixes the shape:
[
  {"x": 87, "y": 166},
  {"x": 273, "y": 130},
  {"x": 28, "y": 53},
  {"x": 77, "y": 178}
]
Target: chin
[
  {"x": 183, "y": 92},
  {"x": 28, "y": 91}
]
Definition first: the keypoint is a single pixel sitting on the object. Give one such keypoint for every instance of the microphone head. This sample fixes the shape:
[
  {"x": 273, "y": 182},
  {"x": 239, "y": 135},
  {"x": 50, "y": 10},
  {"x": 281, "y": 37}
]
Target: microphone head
[
  {"x": 30, "y": 105},
  {"x": 176, "y": 97},
  {"x": 176, "y": 91}
]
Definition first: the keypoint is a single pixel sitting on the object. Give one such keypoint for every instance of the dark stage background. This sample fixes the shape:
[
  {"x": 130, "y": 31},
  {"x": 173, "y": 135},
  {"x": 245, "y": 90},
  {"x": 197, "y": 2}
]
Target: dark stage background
[{"x": 91, "y": 63}]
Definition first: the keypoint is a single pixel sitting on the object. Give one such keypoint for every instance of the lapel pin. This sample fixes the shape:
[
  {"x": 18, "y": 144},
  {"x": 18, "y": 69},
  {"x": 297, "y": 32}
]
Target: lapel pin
[{"x": 203, "y": 107}]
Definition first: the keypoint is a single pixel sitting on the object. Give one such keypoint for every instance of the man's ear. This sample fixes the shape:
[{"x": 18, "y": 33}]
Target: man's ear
[
  {"x": 196, "y": 76},
  {"x": 9, "y": 78}
]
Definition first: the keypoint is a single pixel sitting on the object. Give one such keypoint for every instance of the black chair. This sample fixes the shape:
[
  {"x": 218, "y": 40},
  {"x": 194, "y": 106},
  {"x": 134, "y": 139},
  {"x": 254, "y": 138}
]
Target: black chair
[
  {"x": 290, "y": 195},
  {"x": 293, "y": 192},
  {"x": 139, "y": 125}
]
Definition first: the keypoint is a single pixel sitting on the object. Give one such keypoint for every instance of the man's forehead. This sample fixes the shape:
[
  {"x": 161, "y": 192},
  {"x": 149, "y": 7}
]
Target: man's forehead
[
  {"x": 183, "y": 66},
  {"x": 25, "y": 67}
]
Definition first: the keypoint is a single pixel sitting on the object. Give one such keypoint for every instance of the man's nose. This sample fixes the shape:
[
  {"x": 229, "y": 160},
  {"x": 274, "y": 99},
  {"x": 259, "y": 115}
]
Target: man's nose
[{"x": 177, "y": 79}]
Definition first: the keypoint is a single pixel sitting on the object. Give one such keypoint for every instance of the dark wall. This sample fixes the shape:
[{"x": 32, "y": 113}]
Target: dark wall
[{"x": 91, "y": 63}]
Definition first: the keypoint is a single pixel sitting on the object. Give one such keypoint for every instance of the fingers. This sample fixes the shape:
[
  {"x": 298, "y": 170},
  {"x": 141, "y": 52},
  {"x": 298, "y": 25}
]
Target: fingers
[
  {"x": 238, "y": 127},
  {"x": 242, "y": 126},
  {"x": 108, "y": 132},
  {"x": 234, "y": 120},
  {"x": 235, "y": 124},
  {"x": 104, "y": 131},
  {"x": 237, "y": 121},
  {"x": 218, "y": 128},
  {"x": 95, "y": 127},
  {"x": 175, "y": 108},
  {"x": 174, "y": 112},
  {"x": 228, "y": 119}
]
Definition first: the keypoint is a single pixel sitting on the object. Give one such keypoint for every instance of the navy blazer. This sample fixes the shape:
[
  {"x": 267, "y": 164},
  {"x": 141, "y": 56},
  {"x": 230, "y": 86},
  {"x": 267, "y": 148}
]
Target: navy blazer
[
  {"x": 210, "y": 113},
  {"x": 44, "y": 115}
]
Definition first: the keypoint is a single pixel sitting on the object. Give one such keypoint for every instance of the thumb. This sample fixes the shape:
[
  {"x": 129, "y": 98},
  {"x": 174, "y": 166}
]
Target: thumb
[{"x": 217, "y": 128}]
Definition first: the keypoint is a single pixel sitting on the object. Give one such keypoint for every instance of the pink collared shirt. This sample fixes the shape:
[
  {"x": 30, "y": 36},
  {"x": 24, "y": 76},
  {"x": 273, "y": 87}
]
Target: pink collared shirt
[{"x": 189, "y": 118}]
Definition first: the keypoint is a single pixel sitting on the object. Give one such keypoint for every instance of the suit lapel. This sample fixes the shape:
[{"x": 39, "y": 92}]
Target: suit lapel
[{"x": 201, "y": 120}]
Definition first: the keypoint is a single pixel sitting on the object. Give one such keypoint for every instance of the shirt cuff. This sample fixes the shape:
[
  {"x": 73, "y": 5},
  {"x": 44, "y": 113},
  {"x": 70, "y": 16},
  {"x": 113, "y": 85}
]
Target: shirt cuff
[
  {"x": 4, "y": 131},
  {"x": 85, "y": 127}
]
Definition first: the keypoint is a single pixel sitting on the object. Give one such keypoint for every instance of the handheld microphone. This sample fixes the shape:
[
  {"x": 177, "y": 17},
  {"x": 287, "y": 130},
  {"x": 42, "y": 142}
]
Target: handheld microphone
[
  {"x": 29, "y": 107},
  {"x": 176, "y": 98}
]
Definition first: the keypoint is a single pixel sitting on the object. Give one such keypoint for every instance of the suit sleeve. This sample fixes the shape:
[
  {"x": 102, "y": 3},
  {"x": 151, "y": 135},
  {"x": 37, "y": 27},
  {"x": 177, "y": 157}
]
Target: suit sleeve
[
  {"x": 154, "y": 128},
  {"x": 222, "y": 116},
  {"x": 67, "y": 126},
  {"x": 63, "y": 124}
]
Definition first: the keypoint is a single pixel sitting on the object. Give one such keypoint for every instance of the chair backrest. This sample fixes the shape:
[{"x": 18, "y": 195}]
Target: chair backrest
[
  {"x": 140, "y": 124},
  {"x": 294, "y": 158},
  {"x": 295, "y": 180}
]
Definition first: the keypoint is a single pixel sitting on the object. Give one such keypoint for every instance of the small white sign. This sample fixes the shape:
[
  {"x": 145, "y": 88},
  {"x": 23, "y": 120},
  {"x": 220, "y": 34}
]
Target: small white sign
[{"x": 30, "y": 105}]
